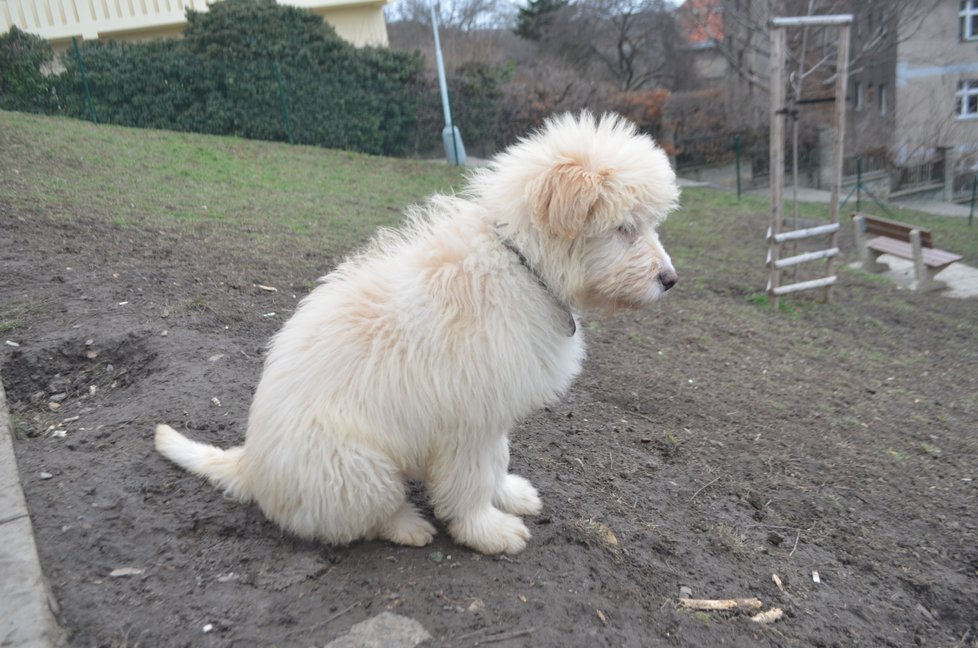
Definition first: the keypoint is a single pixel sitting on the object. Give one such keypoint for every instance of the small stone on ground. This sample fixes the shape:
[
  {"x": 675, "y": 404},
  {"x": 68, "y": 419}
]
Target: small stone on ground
[{"x": 386, "y": 630}]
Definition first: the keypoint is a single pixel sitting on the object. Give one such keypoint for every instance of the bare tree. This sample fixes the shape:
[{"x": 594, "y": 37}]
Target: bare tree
[
  {"x": 743, "y": 42},
  {"x": 464, "y": 15},
  {"x": 880, "y": 24},
  {"x": 634, "y": 43}
]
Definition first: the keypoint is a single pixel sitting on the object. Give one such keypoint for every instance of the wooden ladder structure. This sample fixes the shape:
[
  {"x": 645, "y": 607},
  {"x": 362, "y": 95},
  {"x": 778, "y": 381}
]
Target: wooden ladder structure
[{"x": 776, "y": 235}]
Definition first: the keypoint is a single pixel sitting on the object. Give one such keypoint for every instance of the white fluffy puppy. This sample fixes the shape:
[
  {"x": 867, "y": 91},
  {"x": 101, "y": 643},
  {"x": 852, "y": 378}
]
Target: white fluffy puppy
[{"x": 413, "y": 360}]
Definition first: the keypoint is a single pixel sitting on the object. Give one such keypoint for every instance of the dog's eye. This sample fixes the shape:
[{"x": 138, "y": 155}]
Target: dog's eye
[{"x": 628, "y": 231}]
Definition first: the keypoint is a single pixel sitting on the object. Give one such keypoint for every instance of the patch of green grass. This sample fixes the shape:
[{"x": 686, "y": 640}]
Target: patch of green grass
[
  {"x": 730, "y": 539},
  {"x": 17, "y": 313},
  {"x": 671, "y": 439},
  {"x": 896, "y": 454},
  {"x": 9, "y": 325},
  {"x": 930, "y": 449},
  {"x": 763, "y": 301},
  {"x": 599, "y": 534},
  {"x": 266, "y": 190},
  {"x": 19, "y": 427}
]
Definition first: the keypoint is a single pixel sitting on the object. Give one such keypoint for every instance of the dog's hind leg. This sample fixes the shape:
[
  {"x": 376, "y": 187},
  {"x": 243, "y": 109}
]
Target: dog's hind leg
[
  {"x": 406, "y": 527},
  {"x": 463, "y": 482},
  {"x": 336, "y": 492}
]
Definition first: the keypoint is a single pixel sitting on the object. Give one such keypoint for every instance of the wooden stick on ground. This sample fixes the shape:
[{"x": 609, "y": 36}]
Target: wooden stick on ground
[
  {"x": 770, "y": 616},
  {"x": 721, "y": 604},
  {"x": 506, "y": 636}
]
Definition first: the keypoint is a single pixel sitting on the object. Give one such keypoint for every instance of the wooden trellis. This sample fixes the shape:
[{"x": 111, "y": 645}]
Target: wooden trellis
[{"x": 779, "y": 113}]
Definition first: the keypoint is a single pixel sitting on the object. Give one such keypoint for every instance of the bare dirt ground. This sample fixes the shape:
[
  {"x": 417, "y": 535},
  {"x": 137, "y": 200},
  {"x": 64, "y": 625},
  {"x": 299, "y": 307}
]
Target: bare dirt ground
[{"x": 709, "y": 445}]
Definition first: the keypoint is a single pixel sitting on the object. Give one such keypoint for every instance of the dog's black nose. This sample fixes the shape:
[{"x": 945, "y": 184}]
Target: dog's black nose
[{"x": 668, "y": 279}]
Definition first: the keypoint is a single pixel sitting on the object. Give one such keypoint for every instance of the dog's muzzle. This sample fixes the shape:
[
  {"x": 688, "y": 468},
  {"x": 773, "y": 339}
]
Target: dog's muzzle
[{"x": 668, "y": 279}]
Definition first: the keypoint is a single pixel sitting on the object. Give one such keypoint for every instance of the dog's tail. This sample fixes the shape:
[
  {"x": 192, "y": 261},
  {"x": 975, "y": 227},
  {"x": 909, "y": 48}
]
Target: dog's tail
[{"x": 221, "y": 467}]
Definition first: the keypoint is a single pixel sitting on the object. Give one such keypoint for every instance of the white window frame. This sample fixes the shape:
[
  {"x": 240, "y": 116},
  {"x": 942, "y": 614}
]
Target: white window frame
[
  {"x": 884, "y": 100},
  {"x": 967, "y": 88},
  {"x": 968, "y": 15},
  {"x": 860, "y": 92}
]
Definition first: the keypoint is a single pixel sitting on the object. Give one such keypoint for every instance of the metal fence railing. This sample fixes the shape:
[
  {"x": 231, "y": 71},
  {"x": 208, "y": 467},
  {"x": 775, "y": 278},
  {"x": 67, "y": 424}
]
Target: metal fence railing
[
  {"x": 964, "y": 186},
  {"x": 705, "y": 149},
  {"x": 920, "y": 175},
  {"x": 870, "y": 162}
]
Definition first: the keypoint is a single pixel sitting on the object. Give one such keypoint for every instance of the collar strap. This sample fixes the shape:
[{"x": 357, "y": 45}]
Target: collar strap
[{"x": 509, "y": 245}]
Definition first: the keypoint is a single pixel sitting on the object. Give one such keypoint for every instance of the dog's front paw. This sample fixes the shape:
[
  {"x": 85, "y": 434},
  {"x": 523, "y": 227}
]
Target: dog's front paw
[
  {"x": 517, "y": 495},
  {"x": 491, "y": 532}
]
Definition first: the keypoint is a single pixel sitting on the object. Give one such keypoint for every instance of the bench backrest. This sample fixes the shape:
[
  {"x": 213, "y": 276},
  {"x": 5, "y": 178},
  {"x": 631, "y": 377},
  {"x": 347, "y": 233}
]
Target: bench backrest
[{"x": 875, "y": 226}]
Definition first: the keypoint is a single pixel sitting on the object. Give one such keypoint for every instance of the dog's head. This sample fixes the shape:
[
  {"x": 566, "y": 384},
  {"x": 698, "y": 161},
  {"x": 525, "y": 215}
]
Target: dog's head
[{"x": 590, "y": 193}]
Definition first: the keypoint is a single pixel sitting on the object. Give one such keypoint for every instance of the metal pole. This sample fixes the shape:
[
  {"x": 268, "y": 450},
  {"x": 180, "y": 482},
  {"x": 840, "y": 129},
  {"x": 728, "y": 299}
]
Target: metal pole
[
  {"x": 84, "y": 76},
  {"x": 737, "y": 153},
  {"x": 443, "y": 86},
  {"x": 859, "y": 182},
  {"x": 458, "y": 150},
  {"x": 283, "y": 103},
  {"x": 974, "y": 187}
]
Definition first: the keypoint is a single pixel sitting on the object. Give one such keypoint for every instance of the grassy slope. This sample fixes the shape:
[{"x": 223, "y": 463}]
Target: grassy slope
[
  {"x": 158, "y": 178},
  {"x": 333, "y": 199}
]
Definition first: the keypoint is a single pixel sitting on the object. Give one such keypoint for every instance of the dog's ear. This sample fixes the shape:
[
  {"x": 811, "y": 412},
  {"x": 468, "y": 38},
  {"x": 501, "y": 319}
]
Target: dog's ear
[{"x": 566, "y": 198}]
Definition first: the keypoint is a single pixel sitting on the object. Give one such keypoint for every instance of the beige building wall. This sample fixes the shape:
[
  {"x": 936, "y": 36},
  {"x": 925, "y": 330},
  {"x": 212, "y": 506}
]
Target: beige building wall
[
  {"x": 362, "y": 25},
  {"x": 930, "y": 63},
  {"x": 57, "y": 21},
  {"x": 709, "y": 64}
]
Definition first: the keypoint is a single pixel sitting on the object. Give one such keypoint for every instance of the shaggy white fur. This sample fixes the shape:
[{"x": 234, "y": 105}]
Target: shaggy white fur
[{"x": 413, "y": 360}]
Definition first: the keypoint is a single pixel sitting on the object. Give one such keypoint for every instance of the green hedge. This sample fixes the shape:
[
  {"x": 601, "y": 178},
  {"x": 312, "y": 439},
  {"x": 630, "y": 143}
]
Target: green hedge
[
  {"x": 23, "y": 84},
  {"x": 220, "y": 78}
]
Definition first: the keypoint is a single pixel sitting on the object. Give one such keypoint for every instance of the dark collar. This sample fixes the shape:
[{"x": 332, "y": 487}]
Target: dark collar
[{"x": 509, "y": 245}]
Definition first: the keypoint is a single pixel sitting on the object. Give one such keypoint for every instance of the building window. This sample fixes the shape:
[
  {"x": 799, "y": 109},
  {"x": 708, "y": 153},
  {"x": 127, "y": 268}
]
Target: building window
[
  {"x": 969, "y": 19},
  {"x": 860, "y": 96},
  {"x": 967, "y": 99},
  {"x": 884, "y": 100}
]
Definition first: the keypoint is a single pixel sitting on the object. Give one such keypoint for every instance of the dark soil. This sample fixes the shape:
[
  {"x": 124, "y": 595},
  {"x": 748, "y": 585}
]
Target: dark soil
[{"x": 719, "y": 443}]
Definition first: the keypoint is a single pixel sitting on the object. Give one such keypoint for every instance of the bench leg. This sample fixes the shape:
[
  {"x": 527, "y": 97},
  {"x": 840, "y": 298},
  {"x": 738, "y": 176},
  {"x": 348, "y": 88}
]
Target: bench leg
[
  {"x": 923, "y": 275},
  {"x": 925, "y": 281},
  {"x": 870, "y": 261}
]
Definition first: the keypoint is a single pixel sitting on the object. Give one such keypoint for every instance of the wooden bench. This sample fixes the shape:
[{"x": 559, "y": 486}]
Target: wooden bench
[{"x": 876, "y": 236}]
